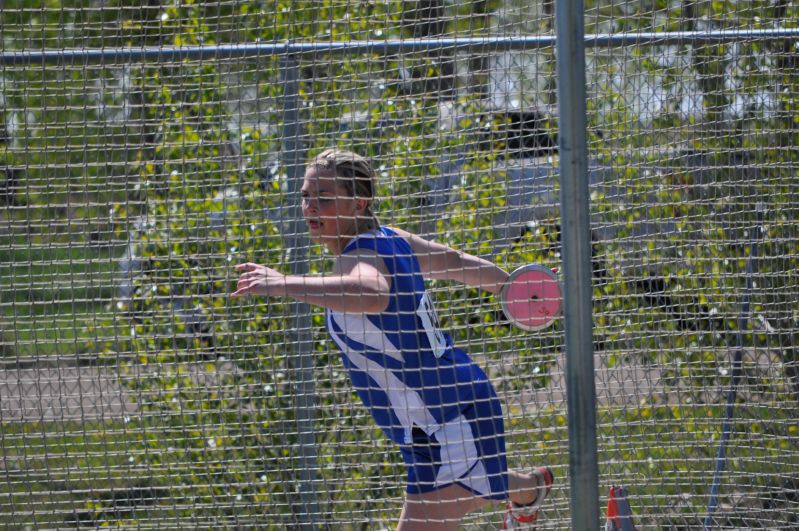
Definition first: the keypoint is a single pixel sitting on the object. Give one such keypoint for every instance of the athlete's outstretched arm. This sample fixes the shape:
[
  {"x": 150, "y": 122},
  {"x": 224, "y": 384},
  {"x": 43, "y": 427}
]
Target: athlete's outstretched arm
[
  {"x": 359, "y": 284},
  {"x": 442, "y": 262}
]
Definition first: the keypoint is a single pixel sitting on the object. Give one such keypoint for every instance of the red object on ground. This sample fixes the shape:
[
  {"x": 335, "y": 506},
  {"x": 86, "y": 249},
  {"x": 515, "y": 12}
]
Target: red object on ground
[{"x": 620, "y": 516}]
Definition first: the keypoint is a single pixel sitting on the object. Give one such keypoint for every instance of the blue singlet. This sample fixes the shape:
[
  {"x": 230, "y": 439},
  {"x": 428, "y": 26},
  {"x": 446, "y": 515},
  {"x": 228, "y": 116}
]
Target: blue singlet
[{"x": 426, "y": 395}]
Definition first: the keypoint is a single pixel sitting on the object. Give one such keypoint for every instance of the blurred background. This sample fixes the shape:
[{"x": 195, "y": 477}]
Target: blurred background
[{"x": 135, "y": 394}]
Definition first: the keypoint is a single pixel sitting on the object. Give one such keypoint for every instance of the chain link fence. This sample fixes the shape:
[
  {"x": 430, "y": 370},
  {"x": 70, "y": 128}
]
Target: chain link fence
[{"x": 146, "y": 149}]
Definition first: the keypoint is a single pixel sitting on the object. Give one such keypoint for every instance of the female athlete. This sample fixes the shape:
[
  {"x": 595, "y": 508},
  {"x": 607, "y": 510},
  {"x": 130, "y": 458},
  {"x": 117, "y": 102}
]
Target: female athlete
[{"x": 426, "y": 395}]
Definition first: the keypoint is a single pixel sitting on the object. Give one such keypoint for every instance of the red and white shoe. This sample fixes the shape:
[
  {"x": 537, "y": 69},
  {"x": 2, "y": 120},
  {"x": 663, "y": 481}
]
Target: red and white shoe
[{"x": 525, "y": 516}]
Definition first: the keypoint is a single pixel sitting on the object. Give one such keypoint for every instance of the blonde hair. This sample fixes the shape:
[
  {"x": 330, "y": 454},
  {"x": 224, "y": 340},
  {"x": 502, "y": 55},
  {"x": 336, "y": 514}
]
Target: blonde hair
[{"x": 353, "y": 171}]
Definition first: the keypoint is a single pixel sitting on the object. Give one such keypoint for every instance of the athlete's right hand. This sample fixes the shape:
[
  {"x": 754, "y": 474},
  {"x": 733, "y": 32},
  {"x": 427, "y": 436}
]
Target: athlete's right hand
[{"x": 256, "y": 279}]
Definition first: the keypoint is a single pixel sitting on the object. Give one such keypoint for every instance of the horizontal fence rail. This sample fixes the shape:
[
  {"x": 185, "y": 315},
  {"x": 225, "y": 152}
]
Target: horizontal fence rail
[{"x": 230, "y": 51}]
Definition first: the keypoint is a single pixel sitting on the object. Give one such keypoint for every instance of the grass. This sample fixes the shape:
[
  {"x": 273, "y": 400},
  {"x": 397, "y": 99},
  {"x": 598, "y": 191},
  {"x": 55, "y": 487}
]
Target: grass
[
  {"x": 53, "y": 287},
  {"x": 56, "y": 473},
  {"x": 665, "y": 456},
  {"x": 132, "y": 472}
]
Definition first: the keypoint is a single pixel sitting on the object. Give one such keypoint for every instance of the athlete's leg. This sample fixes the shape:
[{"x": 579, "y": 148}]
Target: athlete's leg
[
  {"x": 438, "y": 510},
  {"x": 443, "y": 509},
  {"x": 525, "y": 507},
  {"x": 467, "y": 454},
  {"x": 522, "y": 487}
]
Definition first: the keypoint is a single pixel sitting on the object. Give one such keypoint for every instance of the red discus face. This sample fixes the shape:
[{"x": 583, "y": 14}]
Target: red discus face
[{"x": 531, "y": 299}]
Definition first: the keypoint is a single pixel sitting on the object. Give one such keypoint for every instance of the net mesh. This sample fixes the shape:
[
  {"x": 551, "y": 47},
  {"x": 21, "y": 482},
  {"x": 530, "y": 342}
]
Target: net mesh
[{"x": 135, "y": 393}]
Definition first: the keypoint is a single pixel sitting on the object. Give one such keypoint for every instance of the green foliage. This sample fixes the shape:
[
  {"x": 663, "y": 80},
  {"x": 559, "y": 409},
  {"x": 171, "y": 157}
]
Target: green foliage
[
  {"x": 191, "y": 186},
  {"x": 201, "y": 209}
]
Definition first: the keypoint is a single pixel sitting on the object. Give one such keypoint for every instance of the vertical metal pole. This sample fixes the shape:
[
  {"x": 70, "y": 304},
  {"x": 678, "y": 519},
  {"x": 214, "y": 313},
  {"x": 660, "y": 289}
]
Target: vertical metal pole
[
  {"x": 576, "y": 245},
  {"x": 294, "y": 156}
]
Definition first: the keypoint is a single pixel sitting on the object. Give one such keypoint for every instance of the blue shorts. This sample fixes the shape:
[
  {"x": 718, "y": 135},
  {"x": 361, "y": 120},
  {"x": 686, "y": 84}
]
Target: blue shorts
[{"x": 469, "y": 451}]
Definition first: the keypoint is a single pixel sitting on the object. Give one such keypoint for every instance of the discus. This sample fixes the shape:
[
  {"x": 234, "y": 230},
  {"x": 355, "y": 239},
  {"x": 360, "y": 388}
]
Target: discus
[{"x": 531, "y": 297}]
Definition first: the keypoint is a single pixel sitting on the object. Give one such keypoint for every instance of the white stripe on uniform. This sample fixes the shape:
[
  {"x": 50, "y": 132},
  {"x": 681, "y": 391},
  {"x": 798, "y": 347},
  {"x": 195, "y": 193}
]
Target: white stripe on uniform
[{"x": 406, "y": 403}]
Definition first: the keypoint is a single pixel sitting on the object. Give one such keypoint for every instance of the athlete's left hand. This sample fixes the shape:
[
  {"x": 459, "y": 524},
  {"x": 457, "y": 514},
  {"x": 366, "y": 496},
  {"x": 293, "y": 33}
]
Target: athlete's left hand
[{"x": 256, "y": 279}]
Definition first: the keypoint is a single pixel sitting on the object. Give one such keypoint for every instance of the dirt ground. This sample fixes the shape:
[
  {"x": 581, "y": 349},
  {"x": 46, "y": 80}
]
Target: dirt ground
[
  {"x": 61, "y": 393},
  {"x": 52, "y": 393}
]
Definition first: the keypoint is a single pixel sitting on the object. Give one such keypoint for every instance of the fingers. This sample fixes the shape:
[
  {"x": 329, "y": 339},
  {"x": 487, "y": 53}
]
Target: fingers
[
  {"x": 243, "y": 286},
  {"x": 242, "y": 292},
  {"x": 247, "y": 267},
  {"x": 252, "y": 279},
  {"x": 241, "y": 289},
  {"x": 246, "y": 281}
]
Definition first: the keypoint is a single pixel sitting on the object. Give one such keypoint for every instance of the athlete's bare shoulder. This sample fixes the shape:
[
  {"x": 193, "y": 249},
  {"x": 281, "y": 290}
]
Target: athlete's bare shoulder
[{"x": 348, "y": 262}]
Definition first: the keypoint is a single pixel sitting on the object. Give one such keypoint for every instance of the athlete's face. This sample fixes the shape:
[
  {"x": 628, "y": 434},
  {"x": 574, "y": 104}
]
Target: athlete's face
[{"x": 329, "y": 209}]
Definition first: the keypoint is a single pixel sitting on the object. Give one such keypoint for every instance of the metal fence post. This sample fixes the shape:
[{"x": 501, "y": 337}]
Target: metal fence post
[
  {"x": 576, "y": 245},
  {"x": 294, "y": 154}
]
